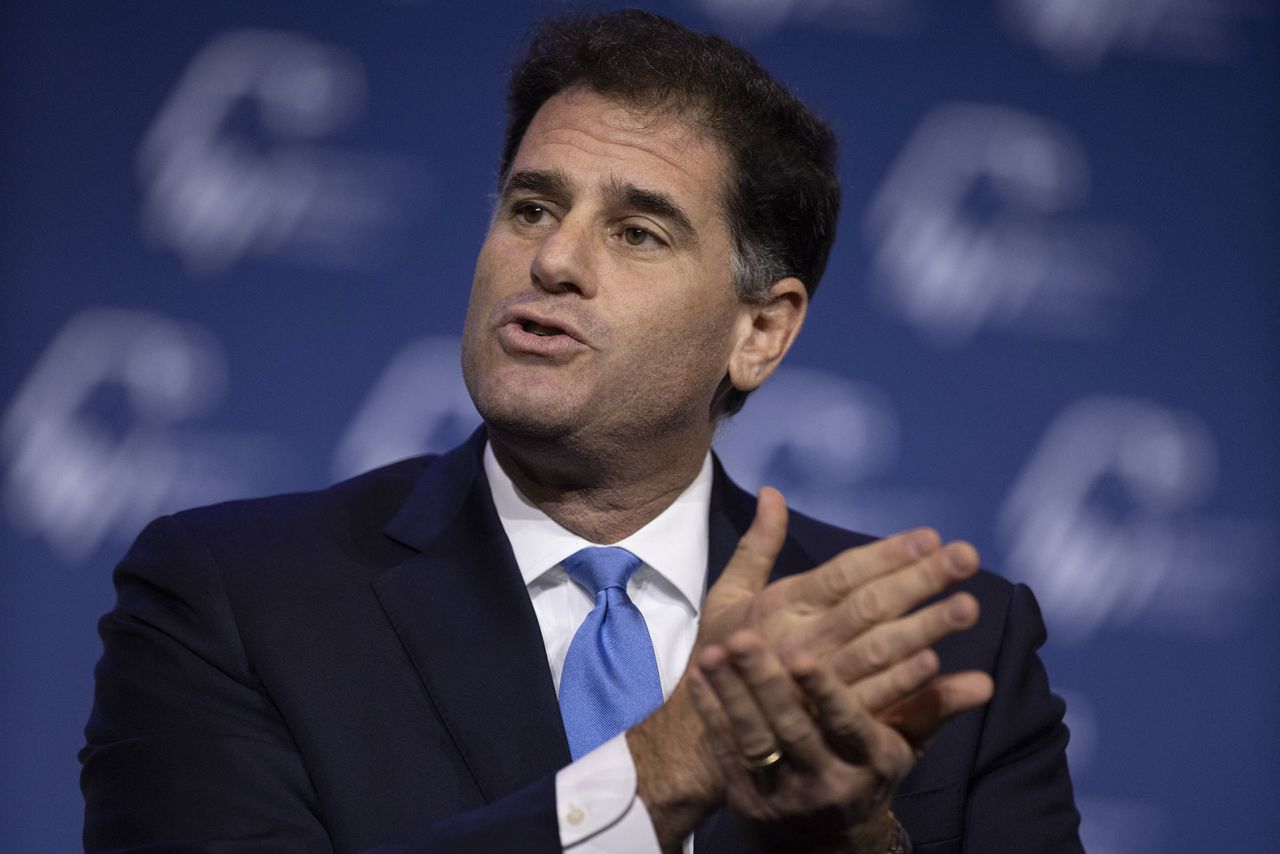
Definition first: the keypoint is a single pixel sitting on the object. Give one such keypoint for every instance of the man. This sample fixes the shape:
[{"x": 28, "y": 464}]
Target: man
[{"x": 361, "y": 667}]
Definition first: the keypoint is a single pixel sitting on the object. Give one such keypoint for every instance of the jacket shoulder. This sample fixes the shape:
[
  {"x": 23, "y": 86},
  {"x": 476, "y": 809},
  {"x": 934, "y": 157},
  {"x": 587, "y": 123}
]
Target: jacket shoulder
[{"x": 344, "y": 515}]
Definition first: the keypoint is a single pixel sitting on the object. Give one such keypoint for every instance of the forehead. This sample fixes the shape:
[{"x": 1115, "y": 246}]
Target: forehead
[{"x": 598, "y": 140}]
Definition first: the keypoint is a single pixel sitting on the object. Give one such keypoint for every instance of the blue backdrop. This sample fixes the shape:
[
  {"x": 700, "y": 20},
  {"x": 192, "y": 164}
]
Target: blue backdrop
[{"x": 238, "y": 237}]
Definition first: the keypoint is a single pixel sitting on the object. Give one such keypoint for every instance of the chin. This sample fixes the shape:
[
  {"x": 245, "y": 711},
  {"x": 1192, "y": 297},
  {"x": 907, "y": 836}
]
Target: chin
[
  {"x": 530, "y": 412},
  {"x": 524, "y": 424}
]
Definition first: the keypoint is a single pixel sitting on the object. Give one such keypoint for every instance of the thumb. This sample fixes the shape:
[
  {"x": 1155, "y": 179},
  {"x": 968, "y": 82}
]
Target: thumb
[{"x": 752, "y": 561}]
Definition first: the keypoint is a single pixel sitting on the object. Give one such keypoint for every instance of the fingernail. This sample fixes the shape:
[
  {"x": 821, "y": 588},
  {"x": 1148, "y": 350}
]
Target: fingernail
[
  {"x": 949, "y": 565},
  {"x": 962, "y": 568},
  {"x": 926, "y": 540},
  {"x": 956, "y": 567}
]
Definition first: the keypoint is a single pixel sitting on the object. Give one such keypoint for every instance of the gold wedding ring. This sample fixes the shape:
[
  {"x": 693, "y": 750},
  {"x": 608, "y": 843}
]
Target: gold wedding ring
[{"x": 763, "y": 761}]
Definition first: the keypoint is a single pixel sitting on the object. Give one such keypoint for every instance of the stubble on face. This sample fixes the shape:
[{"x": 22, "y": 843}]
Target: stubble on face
[{"x": 654, "y": 325}]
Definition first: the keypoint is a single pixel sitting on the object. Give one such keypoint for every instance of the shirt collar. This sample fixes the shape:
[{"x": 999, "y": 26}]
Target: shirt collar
[{"x": 674, "y": 544}]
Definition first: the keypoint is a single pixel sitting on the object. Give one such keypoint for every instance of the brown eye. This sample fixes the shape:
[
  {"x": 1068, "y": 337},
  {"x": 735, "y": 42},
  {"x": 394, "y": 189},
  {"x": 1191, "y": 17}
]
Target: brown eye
[
  {"x": 530, "y": 213},
  {"x": 635, "y": 236}
]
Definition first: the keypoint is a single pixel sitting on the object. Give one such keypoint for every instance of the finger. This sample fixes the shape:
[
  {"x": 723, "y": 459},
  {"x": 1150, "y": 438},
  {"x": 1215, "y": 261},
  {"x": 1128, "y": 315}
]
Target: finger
[
  {"x": 752, "y": 561},
  {"x": 834, "y": 580},
  {"x": 891, "y": 595},
  {"x": 751, "y": 732},
  {"x": 886, "y": 644},
  {"x": 715, "y": 722},
  {"x": 882, "y": 690},
  {"x": 919, "y": 716},
  {"x": 853, "y": 733},
  {"x": 776, "y": 696}
]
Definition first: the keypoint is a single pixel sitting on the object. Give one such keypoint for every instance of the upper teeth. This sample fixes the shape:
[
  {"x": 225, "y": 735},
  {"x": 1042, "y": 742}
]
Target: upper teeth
[{"x": 539, "y": 329}]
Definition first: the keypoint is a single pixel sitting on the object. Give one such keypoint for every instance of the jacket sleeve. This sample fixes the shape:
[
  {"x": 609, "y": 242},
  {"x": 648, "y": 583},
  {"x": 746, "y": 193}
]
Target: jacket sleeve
[
  {"x": 185, "y": 750},
  {"x": 1020, "y": 797}
]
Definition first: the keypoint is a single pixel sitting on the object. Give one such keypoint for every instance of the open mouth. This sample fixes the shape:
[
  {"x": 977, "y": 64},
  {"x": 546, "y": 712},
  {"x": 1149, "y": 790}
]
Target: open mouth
[{"x": 538, "y": 329}]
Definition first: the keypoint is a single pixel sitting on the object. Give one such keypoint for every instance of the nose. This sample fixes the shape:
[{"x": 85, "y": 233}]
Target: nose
[{"x": 563, "y": 262}]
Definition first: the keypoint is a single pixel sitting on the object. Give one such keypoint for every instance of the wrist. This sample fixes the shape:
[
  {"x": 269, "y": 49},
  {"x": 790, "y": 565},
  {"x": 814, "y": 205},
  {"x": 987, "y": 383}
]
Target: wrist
[
  {"x": 901, "y": 842},
  {"x": 676, "y": 776},
  {"x": 883, "y": 835}
]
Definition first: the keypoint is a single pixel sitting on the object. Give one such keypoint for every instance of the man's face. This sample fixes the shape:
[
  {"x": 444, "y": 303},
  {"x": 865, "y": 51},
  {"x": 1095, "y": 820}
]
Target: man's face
[{"x": 603, "y": 303}]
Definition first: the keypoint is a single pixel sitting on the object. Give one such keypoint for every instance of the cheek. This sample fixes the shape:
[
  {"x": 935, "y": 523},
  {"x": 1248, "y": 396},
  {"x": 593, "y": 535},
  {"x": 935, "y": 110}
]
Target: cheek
[
  {"x": 501, "y": 258},
  {"x": 486, "y": 268},
  {"x": 487, "y": 283},
  {"x": 693, "y": 339},
  {"x": 479, "y": 305}
]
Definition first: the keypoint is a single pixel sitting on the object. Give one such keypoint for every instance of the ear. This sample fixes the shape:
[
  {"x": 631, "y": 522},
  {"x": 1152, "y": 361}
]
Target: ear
[{"x": 766, "y": 330}]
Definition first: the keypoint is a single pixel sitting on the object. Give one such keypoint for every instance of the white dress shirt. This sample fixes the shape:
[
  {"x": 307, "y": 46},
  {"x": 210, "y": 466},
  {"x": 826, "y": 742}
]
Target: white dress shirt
[{"x": 596, "y": 795}]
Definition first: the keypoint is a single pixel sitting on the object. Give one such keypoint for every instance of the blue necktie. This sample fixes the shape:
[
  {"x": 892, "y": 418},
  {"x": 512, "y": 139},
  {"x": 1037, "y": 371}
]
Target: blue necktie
[{"x": 610, "y": 678}]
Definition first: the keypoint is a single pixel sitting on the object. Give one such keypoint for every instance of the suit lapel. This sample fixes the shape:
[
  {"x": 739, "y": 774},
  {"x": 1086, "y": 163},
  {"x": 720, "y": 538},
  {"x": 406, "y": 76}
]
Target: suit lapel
[
  {"x": 463, "y": 614},
  {"x": 732, "y": 510}
]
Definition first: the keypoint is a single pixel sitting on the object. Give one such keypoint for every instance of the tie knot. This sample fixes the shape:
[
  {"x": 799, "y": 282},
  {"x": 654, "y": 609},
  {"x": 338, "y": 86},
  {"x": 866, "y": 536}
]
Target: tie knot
[{"x": 600, "y": 567}]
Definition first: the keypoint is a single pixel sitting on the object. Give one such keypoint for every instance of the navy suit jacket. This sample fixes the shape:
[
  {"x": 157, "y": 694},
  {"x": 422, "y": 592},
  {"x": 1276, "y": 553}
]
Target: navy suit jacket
[{"x": 361, "y": 668}]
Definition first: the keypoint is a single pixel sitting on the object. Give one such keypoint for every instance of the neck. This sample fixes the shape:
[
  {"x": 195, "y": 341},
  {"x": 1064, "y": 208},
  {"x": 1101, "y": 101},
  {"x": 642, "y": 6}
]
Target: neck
[{"x": 601, "y": 495}]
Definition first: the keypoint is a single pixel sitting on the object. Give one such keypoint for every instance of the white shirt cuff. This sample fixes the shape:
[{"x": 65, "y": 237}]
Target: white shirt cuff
[{"x": 597, "y": 805}]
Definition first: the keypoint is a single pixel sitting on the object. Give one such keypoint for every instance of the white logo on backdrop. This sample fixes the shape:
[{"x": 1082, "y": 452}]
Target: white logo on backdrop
[
  {"x": 968, "y": 233},
  {"x": 823, "y": 439},
  {"x": 760, "y": 17},
  {"x": 419, "y": 405},
  {"x": 232, "y": 167},
  {"x": 92, "y": 441},
  {"x": 1104, "y": 522},
  {"x": 1081, "y": 33}
]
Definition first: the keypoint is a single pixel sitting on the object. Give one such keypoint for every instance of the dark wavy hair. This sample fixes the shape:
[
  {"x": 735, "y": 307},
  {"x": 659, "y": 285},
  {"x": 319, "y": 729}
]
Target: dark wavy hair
[{"x": 783, "y": 195}]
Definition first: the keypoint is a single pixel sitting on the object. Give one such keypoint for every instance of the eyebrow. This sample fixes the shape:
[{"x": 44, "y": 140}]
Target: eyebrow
[
  {"x": 654, "y": 203},
  {"x": 556, "y": 184},
  {"x": 550, "y": 182}
]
